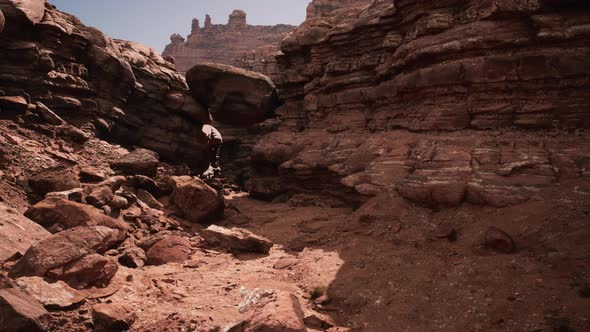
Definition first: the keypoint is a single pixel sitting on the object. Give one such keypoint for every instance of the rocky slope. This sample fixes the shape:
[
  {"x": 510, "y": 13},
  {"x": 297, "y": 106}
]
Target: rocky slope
[
  {"x": 120, "y": 89},
  {"x": 444, "y": 102},
  {"x": 234, "y": 43}
]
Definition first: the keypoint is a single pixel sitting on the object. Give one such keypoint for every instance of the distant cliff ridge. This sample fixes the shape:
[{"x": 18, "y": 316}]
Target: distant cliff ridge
[{"x": 224, "y": 43}]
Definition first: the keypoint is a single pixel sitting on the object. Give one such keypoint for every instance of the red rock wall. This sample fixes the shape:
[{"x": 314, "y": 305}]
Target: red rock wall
[{"x": 443, "y": 101}]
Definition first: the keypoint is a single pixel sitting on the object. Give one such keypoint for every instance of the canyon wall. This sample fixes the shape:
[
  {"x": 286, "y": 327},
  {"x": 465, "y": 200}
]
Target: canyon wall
[
  {"x": 236, "y": 43},
  {"x": 443, "y": 102},
  {"x": 119, "y": 89}
]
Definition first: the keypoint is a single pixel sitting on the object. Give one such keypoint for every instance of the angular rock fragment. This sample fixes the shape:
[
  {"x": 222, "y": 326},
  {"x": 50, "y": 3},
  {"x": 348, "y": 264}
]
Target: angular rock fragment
[
  {"x": 92, "y": 270},
  {"x": 48, "y": 115},
  {"x": 236, "y": 239},
  {"x": 138, "y": 162},
  {"x": 62, "y": 248},
  {"x": 148, "y": 199},
  {"x": 100, "y": 196},
  {"x": 59, "y": 214},
  {"x": 17, "y": 233},
  {"x": 270, "y": 310},
  {"x": 112, "y": 317},
  {"x": 195, "y": 200},
  {"x": 20, "y": 312},
  {"x": 13, "y": 104},
  {"x": 54, "y": 179},
  {"x": 74, "y": 195},
  {"x": 56, "y": 295},
  {"x": 133, "y": 257}
]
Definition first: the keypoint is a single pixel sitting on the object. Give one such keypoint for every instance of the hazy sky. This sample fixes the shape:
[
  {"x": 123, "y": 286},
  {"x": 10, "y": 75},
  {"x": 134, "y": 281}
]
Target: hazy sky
[{"x": 151, "y": 22}]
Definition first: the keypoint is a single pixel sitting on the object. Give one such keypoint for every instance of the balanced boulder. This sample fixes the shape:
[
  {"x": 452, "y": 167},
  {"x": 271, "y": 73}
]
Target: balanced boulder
[
  {"x": 233, "y": 95},
  {"x": 195, "y": 200}
]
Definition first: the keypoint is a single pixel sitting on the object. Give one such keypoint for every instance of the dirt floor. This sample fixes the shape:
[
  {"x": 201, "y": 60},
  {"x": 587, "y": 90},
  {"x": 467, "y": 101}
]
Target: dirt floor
[{"x": 391, "y": 274}]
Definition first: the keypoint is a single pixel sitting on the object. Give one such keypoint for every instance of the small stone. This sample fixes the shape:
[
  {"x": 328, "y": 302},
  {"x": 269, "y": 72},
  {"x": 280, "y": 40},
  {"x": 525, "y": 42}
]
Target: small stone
[
  {"x": 119, "y": 202},
  {"x": 133, "y": 257},
  {"x": 236, "y": 239},
  {"x": 112, "y": 317},
  {"x": 285, "y": 262}
]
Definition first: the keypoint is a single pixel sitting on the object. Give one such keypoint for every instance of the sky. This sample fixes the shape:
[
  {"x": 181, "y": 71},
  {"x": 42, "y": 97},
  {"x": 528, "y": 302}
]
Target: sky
[{"x": 151, "y": 22}]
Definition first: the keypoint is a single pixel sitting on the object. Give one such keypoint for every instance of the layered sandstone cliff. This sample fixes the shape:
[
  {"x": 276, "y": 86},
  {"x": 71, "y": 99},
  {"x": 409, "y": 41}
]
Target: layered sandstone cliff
[
  {"x": 122, "y": 90},
  {"x": 441, "y": 101},
  {"x": 236, "y": 42}
]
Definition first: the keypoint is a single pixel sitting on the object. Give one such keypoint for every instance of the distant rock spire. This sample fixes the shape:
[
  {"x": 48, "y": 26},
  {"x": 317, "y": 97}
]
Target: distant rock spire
[
  {"x": 237, "y": 20},
  {"x": 208, "y": 24},
  {"x": 196, "y": 25}
]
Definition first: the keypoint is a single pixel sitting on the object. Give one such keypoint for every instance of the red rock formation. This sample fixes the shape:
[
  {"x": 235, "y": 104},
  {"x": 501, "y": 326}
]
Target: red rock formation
[
  {"x": 446, "y": 102},
  {"x": 224, "y": 43},
  {"x": 122, "y": 89}
]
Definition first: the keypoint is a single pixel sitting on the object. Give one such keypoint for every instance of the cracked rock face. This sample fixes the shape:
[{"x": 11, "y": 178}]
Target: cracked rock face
[{"x": 442, "y": 105}]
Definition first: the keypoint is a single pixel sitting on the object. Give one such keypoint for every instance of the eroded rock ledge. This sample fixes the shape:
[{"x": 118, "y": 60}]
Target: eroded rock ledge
[{"x": 445, "y": 102}]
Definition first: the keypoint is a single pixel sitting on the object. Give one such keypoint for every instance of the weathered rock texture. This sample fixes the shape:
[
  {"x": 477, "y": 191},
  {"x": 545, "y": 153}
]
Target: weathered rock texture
[
  {"x": 235, "y": 43},
  {"x": 443, "y": 101},
  {"x": 122, "y": 89}
]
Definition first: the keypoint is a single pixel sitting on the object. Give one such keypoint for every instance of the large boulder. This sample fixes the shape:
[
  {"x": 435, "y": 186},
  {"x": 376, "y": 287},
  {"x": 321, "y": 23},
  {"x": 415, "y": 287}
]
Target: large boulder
[
  {"x": 63, "y": 248},
  {"x": 138, "y": 162},
  {"x": 195, "y": 200},
  {"x": 54, "y": 179},
  {"x": 20, "y": 312},
  {"x": 164, "y": 249},
  {"x": 17, "y": 233},
  {"x": 236, "y": 239},
  {"x": 233, "y": 96},
  {"x": 56, "y": 214}
]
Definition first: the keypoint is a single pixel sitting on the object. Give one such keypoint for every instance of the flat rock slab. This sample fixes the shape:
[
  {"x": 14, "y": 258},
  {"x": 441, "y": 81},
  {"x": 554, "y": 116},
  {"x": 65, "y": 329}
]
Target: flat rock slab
[
  {"x": 17, "y": 233},
  {"x": 236, "y": 239},
  {"x": 51, "y": 295},
  {"x": 21, "y": 312}
]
